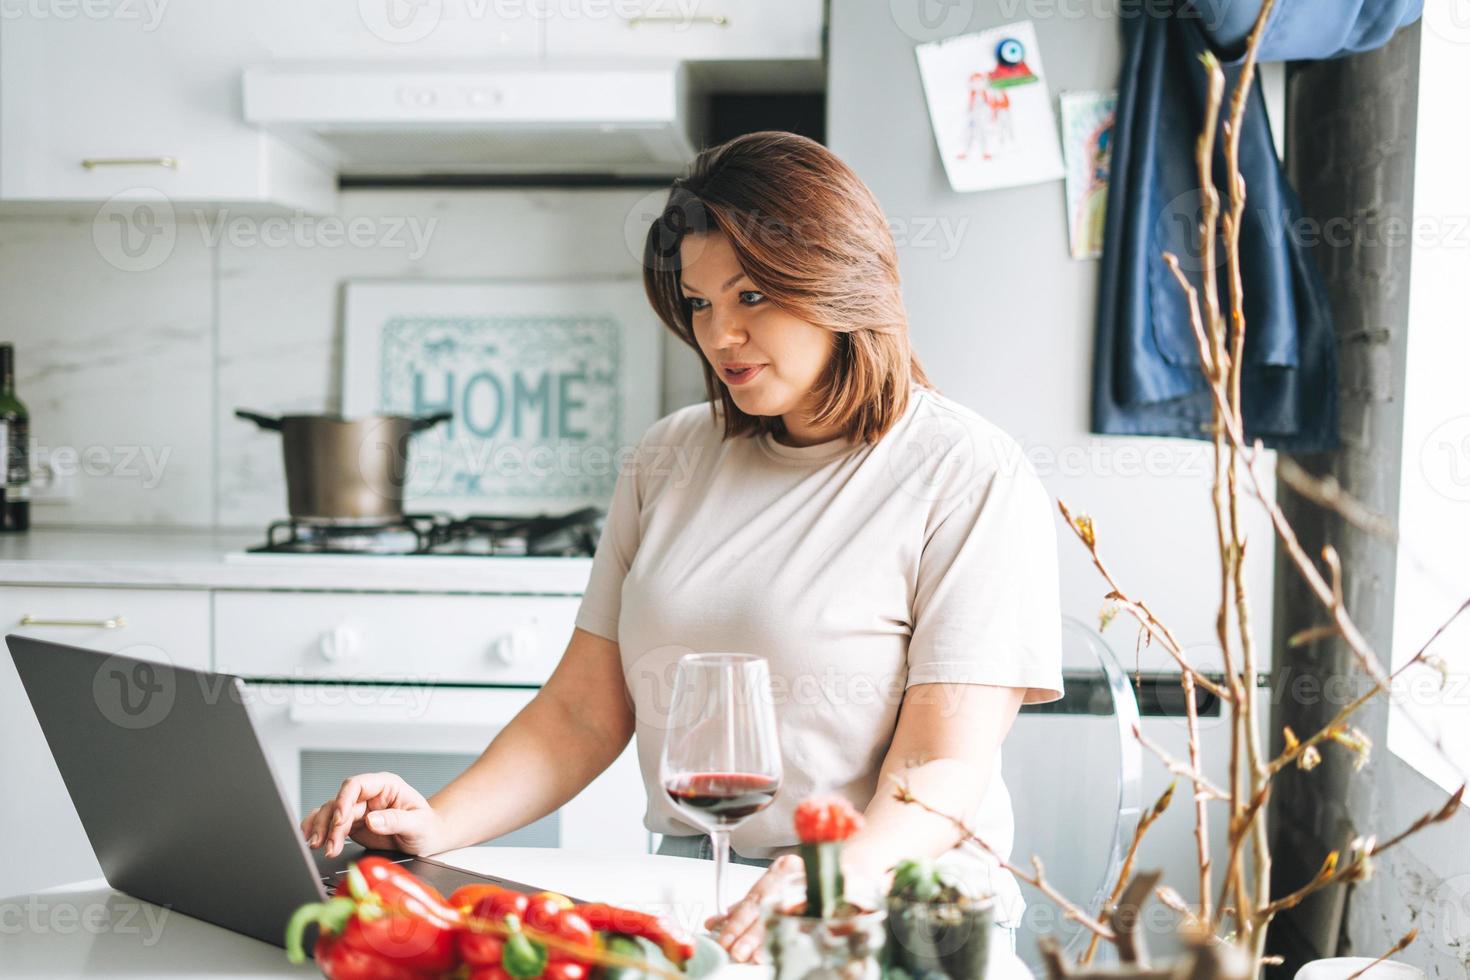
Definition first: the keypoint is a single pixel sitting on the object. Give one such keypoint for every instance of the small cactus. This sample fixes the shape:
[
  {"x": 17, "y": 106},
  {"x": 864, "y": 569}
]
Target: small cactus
[{"x": 822, "y": 824}]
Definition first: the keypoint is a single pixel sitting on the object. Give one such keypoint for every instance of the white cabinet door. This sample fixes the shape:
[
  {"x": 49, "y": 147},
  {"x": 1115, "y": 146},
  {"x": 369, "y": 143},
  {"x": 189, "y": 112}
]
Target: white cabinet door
[
  {"x": 673, "y": 30},
  {"x": 46, "y": 845},
  {"x": 467, "y": 30},
  {"x": 422, "y": 639},
  {"x": 92, "y": 107}
]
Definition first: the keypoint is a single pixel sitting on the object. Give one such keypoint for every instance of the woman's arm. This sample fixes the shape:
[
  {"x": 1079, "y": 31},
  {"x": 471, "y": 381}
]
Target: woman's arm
[
  {"x": 944, "y": 748},
  {"x": 572, "y": 730}
]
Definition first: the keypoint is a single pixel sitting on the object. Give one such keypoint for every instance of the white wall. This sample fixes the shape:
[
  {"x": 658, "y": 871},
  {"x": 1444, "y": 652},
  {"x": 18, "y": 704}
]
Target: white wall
[
  {"x": 136, "y": 362},
  {"x": 1003, "y": 319}
]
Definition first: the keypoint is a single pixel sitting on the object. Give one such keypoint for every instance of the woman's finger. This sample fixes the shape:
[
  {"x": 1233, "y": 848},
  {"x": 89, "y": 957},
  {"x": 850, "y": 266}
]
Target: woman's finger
[
  {"x": 343, "y": 822},
  {"x": 317, "y": 832},
  {"x": 741, "y": 927}
]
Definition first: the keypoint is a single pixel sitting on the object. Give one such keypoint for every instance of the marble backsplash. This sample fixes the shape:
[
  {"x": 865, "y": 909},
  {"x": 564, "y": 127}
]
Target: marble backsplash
[{"x": 132, "y": 355}]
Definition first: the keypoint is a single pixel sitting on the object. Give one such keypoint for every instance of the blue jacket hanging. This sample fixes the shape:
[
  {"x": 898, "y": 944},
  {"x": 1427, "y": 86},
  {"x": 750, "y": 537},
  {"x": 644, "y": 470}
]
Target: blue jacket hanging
[{"x": 1146, "y": 374}]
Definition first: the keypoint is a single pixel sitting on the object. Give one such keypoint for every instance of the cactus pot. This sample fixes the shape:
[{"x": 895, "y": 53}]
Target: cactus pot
[
  {"x": 935, "y": 940},
  {"x": 845, "y": 946}
]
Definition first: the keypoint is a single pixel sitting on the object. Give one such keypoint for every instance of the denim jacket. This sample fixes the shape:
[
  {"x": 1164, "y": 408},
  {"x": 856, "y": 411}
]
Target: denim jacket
[{"x": 1146, "y": 374}]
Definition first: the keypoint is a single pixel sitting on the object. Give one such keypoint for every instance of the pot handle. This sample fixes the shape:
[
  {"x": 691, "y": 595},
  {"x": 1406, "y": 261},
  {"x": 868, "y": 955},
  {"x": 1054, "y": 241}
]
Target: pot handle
[
  {"x": 429, "y": 421},
  {"x": 264, "y": 421}
]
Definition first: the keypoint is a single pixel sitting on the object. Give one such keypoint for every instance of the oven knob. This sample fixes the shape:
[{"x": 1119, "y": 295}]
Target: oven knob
[
  {"x": 339, "y": 644},
  {"x": 516, "y": 646}
]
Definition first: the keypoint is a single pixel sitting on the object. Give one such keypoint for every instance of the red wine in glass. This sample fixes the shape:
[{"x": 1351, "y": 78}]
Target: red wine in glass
[
  {"x": 723, "y": 798},
  {"x": 721, "y": 758}
]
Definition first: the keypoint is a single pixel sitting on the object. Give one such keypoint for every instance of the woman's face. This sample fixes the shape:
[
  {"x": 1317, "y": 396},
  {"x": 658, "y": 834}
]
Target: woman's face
[{"x": 767, "y": 358}]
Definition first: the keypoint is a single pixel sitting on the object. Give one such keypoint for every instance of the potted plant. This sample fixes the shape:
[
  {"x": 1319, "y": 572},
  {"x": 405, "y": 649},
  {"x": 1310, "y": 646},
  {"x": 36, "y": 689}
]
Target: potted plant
[
  {"x": 824, "y": 932},
  {"x": 935, "y": 928}
]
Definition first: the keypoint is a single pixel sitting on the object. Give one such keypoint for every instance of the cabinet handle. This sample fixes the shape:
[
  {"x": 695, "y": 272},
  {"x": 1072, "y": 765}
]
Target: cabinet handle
[
  {"x": 111, "y": 623},
  {"x": 92, "y": 163},
  {"x": 718, "y": 20}
]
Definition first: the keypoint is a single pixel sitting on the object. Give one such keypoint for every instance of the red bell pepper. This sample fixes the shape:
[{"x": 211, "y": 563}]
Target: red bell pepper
[
  {"x": 608, "y": 918},
  {"x": 390, "y": 919}
]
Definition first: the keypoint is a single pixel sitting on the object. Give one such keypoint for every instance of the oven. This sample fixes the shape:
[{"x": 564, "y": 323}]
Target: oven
[
  {"x": 317, "y": 733},
  {"x": 417, "y": 682}
]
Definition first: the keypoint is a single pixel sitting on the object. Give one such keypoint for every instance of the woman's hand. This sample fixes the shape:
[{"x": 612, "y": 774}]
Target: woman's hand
[
  {"x": 742, "y": 930},
  {"x": 379, "y": 811}
]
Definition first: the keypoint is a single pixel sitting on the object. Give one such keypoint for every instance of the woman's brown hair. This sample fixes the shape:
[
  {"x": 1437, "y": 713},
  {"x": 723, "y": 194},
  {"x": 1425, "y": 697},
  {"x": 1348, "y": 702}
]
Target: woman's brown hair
[{"x": 813, "y": 239}]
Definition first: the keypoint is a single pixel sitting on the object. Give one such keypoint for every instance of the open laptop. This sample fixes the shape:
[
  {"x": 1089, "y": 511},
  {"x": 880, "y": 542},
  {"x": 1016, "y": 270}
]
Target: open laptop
[{"x": 175, "y": 791}]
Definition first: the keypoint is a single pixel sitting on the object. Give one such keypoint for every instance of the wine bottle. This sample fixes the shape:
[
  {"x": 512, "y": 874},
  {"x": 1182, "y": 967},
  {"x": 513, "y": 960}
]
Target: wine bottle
[{"x": 15, "y": 446}]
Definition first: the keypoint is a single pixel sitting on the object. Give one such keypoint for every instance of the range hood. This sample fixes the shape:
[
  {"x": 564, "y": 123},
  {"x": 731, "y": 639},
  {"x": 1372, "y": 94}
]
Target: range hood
[{"x": 396, "y": 119}]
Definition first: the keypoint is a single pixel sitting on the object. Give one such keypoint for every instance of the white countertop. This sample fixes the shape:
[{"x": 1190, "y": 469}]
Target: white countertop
[
  {"x": 205, "y": 559},
  {"x": 87, "y": 929}
]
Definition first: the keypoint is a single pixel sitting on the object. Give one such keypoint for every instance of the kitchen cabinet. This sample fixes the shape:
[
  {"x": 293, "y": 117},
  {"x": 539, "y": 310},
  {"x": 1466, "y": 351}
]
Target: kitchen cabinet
[
  {"x": 415, "y": 638},
  {"x": 47, "y": 845},
  {"x": 340, "y": 680},
  {"x": 712, "y": 30},
  {"x": 99, "y": 107}
]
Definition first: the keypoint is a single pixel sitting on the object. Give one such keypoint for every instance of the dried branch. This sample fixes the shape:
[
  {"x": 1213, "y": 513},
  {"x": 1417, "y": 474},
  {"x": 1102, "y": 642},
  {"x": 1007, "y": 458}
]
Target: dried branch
[
  {"x": 1149, "y": 818},
  {"x": 1082, "y": 526},
  {"x": 1326, "y": 492},
  {"x": 1359, "y": 865},
  {"x": 1203, "y": 788},
  {"x": 1036, "y": 879},
  {"x": 1404, "y": 943}
]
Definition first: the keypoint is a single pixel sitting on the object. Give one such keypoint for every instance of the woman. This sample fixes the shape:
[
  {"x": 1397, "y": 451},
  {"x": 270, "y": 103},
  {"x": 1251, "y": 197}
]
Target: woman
[{"x": 889, "y": 552}]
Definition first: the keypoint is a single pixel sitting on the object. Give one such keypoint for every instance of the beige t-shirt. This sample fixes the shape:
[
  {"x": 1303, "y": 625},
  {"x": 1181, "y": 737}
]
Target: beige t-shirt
[{"x": 856, "y": 570}]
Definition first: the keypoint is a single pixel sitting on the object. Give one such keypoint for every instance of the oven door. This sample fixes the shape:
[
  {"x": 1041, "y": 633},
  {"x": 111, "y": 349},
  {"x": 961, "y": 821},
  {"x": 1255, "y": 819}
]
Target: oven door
[{"x": 318, "y": 734}]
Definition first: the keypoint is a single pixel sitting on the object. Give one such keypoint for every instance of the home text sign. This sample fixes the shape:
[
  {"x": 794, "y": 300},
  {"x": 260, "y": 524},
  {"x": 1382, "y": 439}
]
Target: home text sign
[{"x": 549, "y": 385}]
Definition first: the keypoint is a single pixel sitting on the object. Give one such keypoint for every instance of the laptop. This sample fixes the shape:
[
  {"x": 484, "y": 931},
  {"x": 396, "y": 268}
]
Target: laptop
[{"x": 176, "y": 794}]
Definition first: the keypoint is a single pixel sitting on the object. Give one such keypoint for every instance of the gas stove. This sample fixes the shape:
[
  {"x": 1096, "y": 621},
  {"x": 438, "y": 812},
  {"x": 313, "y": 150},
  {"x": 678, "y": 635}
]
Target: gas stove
[{"x": 570, "y": 535}]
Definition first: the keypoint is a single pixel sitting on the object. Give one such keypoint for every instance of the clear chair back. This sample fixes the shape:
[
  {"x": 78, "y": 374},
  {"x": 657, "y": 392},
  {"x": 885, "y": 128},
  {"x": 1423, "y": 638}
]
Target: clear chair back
[{"x": 1074, "y": 772}]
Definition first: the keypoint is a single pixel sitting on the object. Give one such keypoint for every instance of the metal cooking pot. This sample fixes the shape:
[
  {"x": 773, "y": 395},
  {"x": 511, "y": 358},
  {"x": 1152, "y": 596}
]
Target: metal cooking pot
[{"x": 345, "y": 470}]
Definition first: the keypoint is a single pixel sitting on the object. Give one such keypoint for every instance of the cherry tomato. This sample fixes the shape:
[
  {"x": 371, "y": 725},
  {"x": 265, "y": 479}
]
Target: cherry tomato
[
  {"x": 542, "y": 911},
  {"x": 564, "y": 970},
  {"x": 481, "y": 948},
  {"x": 496, "y": 903},
  {"x": 573, "y": 928}
]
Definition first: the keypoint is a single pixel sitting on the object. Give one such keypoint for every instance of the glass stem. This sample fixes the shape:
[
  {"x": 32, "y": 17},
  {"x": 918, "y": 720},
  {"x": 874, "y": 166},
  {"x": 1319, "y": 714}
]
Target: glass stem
[{"x": 721, "y": 841}]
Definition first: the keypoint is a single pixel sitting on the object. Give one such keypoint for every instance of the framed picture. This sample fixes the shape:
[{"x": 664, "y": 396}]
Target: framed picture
[{"x": 550, "y": 385}]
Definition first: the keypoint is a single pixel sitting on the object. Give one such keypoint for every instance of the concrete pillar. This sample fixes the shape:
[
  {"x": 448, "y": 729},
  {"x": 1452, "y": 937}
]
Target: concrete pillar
[{"x": 1350, "y": 126}]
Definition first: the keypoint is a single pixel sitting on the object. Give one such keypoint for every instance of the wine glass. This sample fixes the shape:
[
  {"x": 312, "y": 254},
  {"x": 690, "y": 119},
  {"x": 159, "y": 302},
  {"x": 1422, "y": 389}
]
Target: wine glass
[{"x": 721, "y": 761}]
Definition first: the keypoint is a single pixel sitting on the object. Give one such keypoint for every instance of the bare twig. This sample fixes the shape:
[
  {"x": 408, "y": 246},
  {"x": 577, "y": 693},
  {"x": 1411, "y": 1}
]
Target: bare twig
[
  {"x": 1035, "y": 878},
  {"x": 1203, "y": 788},
  {"x": 1404, "y": 943},
  {"x": 1327, "y": 493},
  {"x": 1334, "y": 872},
  {"x": 1082, "y": 526},
  {"x": 1126, "y": 872}
]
